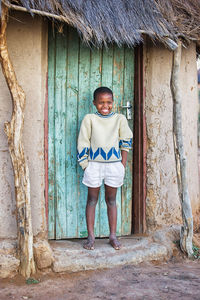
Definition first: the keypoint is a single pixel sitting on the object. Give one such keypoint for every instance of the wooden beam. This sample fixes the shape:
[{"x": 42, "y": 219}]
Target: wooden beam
[
  {"x": 13, "y": 130},
  {"x": 38, "y": 12}
]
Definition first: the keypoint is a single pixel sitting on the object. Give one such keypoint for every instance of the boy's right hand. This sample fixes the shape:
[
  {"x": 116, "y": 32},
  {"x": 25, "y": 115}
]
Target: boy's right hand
[{"x": 84, "y": 164}]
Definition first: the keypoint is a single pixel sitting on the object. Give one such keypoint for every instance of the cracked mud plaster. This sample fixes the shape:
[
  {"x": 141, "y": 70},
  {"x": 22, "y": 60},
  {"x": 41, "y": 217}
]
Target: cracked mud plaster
[
  {"x": 162, "y": 202},
  {"x": 21, "y": 36}
]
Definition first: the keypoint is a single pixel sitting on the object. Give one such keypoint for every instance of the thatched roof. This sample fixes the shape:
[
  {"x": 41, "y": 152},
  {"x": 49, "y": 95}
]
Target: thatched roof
[
  {"x": 183, "y": 16},
  {"x": 122, "y": 21}
]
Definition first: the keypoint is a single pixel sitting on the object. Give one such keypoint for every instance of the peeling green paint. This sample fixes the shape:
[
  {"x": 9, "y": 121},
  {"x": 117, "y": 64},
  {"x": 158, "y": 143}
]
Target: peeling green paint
[{"x": 81, "y": 69}]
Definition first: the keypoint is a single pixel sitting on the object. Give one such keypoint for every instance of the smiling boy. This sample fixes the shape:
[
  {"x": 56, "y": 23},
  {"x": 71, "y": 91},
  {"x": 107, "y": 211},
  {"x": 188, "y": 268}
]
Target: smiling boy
[{"x": 103, "y": 144}]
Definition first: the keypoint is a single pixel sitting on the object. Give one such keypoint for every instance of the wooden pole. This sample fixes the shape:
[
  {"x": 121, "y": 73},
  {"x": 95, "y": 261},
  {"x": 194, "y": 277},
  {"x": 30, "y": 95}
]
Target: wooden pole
[
  {"x": 187, "y": 228},
  {"x": 13, "y": 130}
]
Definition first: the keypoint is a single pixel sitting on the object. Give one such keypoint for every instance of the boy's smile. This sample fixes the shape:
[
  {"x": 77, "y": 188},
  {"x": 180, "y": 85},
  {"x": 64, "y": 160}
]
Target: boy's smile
[{"x": 104, "y": 103}]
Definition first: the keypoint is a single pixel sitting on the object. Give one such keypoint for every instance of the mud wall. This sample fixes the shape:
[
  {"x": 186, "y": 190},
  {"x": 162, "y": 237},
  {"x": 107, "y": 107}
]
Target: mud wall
[
  {"x": 162, "y": 202},
  {"x": 27, "y": 42}
]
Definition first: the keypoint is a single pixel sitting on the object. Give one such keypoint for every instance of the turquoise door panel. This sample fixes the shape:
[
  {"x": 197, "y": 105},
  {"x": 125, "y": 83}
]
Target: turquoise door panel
[{"x": 74, "y": 72}]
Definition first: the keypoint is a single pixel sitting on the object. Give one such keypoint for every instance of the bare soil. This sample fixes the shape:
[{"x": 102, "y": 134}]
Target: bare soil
[
  {"x": 173, "y": 280},
  {"x": 177, "y": 279}
]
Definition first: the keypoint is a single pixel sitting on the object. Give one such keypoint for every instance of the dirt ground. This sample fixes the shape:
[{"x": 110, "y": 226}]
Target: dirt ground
[
  {"x": 173, "y": 280},
  {"x": 179, "y": 279}
]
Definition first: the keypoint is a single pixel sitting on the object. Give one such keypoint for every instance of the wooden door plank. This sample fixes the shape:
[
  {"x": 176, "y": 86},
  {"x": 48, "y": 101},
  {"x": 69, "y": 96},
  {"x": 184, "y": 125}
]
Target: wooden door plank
[
  {"x": 118, "y": 78},
  {"x": 106, "y": 77},
  {"x": 71, "y": 134},
  {"x": 84, "y": 105},
  {"x": 60, "y": 118},
  {"x": 75, "y": 80},
  {"x": 107, "y": 67},
  {"x": 95, "y": 82},
  {"x": 127, "y": 187},
  {"x": 118, "y": 90},
  {"x": 51, "y": 140},
  {"x": 95, "y": 74}
]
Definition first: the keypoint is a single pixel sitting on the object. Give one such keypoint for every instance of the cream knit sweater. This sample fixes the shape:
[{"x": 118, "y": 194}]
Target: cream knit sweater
[{"x": 101, "y": 138}]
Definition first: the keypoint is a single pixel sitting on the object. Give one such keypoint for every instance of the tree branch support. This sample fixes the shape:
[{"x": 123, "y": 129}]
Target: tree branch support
[
  {"x": 187, "y": 227},
  {"x": 13, "y": 130}
]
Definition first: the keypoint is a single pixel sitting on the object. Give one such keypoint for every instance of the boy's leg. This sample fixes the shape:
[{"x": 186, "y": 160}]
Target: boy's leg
[
  {"x": 93, "y": 194},
  {"x": 110, "y": 197}
]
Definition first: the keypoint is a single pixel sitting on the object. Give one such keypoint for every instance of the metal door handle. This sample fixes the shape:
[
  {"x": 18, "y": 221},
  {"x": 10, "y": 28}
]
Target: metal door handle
[{"x": 128, "y": 107}]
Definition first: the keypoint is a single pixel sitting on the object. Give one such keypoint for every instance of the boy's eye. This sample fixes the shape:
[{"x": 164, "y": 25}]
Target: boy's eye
[{"x": 109, "y": 102}]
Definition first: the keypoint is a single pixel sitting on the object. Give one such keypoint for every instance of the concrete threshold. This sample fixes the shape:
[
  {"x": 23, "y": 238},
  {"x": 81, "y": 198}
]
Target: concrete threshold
[{"x": 70, "y": 256}]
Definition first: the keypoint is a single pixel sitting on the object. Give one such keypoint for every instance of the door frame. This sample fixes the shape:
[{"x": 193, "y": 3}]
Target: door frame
[{"x": 139, "y": 148}]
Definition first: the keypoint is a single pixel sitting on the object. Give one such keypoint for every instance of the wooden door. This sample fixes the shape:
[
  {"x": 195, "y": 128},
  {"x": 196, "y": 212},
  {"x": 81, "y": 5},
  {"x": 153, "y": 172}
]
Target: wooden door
[{"x": 74, "y": 72}]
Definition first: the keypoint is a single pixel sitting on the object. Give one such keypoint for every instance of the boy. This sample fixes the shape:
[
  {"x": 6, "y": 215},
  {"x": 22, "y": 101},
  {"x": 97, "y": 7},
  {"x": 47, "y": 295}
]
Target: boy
[{"x": 103, "y": 143}]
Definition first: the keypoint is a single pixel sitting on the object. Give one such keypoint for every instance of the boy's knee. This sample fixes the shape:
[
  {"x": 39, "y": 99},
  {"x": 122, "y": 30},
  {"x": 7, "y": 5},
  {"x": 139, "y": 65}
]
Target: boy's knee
[
  {"x": 111, "y": 201},
  {"x": 92, "y": 201}
]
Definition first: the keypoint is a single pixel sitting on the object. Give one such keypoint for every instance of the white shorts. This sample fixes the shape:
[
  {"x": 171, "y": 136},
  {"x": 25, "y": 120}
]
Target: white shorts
[{"x": 111, "y": 173}]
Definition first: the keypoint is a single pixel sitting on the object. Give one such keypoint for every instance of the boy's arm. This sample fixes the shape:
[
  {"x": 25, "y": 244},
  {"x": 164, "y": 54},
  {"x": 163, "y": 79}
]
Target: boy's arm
[
  {"x": 84, "y": 142},
  {"x": 125, "y": 136},
  {"x": 124, "y": 157}
]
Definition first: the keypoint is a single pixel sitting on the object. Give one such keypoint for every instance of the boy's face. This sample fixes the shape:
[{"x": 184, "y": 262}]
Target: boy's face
[{"x": 104, "y": 103}]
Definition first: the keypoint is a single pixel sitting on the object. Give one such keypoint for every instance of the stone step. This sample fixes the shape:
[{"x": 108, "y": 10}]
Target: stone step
[{"x": 70, "y": 256}]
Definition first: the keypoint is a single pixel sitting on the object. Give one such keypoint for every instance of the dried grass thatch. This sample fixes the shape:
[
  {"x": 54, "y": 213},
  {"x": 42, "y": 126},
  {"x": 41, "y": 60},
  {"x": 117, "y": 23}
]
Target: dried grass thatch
[
  {"x": 183, "y": 16},
  {"x": 122, "y": 21}
]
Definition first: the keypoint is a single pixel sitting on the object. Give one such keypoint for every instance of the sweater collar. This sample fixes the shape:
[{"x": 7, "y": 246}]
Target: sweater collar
[{"x": 106, "y": 116}]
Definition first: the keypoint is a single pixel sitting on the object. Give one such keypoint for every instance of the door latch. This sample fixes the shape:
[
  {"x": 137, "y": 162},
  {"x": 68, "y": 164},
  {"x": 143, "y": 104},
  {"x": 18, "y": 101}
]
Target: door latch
[{"x": 128, "y": 107}]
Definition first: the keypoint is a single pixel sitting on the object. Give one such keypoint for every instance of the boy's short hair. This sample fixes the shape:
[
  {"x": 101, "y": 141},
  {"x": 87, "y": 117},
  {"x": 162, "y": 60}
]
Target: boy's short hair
[{"x": 102, "y": 90}]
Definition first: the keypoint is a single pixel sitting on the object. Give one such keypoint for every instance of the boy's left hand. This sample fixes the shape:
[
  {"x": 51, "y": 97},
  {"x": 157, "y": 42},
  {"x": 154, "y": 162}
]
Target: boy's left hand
[{"x": 124, "y": 164}]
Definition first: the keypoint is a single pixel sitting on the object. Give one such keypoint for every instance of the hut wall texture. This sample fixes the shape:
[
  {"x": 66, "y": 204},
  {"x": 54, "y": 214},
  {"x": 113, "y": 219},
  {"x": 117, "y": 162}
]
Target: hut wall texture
[
  {"x": 162, "y": 202},
  {"x": 27, "y": 42},
  {"x": 190, "y": 120}
]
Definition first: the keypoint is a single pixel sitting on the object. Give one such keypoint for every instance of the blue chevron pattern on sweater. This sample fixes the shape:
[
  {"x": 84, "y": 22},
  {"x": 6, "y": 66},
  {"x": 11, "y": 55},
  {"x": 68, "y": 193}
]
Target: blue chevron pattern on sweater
[
  {"x": 96, "y": 153},
  {"x": 106, "y": 156},
  {"x": 83, "y": 152},
  {"x": 103, "y": 154},
  {"x": 110, "y": 152},
  {"x": 125, "y": 144}
]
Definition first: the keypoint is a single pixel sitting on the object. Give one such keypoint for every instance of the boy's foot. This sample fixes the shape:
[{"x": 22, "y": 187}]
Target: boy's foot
[
  {"x": 115, "y": 243},
  {"x": 89, "y": 244}
]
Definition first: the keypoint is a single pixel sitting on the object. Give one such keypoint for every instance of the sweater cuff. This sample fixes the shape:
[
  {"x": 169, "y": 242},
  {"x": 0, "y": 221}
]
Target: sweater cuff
[
  {"x": 124, "y": 149},
  {"x": 84, "y": 164}
]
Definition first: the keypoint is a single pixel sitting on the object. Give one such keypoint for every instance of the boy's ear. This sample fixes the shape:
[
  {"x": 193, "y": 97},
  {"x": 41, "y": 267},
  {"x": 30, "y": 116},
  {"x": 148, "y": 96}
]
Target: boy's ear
[{"x": 94, "y": 102}]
